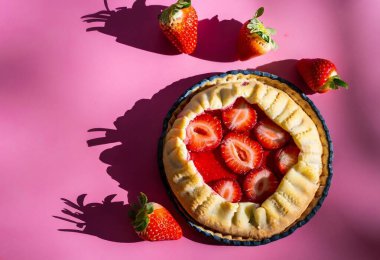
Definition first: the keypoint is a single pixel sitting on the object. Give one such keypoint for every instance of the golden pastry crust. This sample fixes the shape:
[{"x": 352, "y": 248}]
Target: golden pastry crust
[{"x": 298, "y": 188}]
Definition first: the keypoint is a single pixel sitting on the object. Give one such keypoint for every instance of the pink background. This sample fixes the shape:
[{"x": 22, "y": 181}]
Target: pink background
[{"x": 57, "y": 81}]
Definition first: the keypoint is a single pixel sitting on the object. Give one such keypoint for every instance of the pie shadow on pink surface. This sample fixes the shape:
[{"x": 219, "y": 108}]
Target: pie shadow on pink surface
[
  {"x": 138, "y": 27},
  {"x": 133, "y": 164}
]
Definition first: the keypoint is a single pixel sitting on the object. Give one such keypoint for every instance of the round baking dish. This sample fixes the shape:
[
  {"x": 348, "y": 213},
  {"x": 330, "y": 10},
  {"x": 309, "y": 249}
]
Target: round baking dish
[{"x": 325, "y": 178}]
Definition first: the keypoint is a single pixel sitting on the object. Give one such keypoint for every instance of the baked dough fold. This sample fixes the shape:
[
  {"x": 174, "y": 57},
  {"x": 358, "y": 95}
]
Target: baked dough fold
[{"x": 296, "y": 190}]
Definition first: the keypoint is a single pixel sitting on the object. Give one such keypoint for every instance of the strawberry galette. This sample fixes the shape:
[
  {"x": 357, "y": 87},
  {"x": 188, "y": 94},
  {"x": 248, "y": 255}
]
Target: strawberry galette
[{"x": 246, "y": 156}]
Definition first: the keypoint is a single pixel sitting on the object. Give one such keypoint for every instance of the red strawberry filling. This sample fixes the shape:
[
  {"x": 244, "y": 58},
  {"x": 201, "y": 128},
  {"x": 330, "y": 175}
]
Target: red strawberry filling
[
  {"x": 211, "y": 166},
  {"x": 267, "y": 159},
  {"x": 232, "y": 161},
  {"x": 229, "y": 189}
]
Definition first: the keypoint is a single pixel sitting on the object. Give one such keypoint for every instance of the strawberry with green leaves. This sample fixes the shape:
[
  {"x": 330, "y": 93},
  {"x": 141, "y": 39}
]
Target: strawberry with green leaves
[
  {"x": 153, "y": 222},
  {"x": 254, "y": 38},
  {"x": 179, "y": 23},
  {"x": 320, "y": 75}
]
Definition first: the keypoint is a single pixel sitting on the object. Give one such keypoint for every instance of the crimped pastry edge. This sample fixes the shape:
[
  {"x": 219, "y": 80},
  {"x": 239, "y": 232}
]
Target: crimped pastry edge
[{"x": 270, "y": 227}]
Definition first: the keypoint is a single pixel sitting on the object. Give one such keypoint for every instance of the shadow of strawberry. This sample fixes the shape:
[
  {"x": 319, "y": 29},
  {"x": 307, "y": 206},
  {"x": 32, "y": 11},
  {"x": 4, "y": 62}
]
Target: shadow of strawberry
[
  {"x": 138, "y": 27},
  {"x": 107, "y": 220}
]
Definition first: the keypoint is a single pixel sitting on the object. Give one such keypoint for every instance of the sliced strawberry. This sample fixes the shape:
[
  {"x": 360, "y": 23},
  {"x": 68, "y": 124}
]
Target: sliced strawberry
[
  {"x": 270, "y": 135},
  {"x": 259, "y": 184},
  {"x": 241, "y": 117},
  {"x": 204, "y": 133},
  {"x": 211, "y": 166},
  {"x": 229, "y": 189},
  {"x": 241, "y": 153},
  {"x": 286, "y": 157}
]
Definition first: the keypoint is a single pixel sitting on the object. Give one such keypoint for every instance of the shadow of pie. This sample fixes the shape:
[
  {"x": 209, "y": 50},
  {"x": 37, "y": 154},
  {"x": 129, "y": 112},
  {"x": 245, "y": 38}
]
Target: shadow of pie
[{"x": 246, "y": 157}]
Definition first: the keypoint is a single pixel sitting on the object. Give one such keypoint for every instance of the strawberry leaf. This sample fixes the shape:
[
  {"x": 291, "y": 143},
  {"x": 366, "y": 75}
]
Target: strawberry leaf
[
  {"x": 259, "y": 12},
  {"x": 339, "y": 82},
  {"x": 141, "y": 215},
  {"x": 265, "y": 37},
  {"x": 183, "y": 4},
  {"x": 252, "y": 25},
  {"x": 332, "y": 85},
  {"x": 271, "y": 31},
  {"x": 149, "y": 208},
  {"x": 169, "y": 12},
  {"x": 142, "y": 225},
  {"x": 143, "y": 199}
]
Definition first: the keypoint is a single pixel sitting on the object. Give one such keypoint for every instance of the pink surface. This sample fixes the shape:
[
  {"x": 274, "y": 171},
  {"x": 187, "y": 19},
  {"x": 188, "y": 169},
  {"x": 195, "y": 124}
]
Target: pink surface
[{"x": 57, "y": 81}]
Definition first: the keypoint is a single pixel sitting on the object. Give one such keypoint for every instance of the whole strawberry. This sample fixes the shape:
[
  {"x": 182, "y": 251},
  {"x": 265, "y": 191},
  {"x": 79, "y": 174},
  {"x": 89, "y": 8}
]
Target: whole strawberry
[
  {"x": 254, "y": 39},
  {"x": 320, "y": 75},
  {"x": 179, "y": 22},
  {"x": 153, "y": 222}
]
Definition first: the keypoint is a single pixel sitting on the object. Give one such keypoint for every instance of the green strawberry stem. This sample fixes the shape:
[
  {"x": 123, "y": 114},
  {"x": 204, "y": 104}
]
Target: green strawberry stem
[
  {"x": 139, "y": 213},
  {"x": 259, "y": 12},
  {"x": 255, "y": 26},
  {"x": 334, "y": 83},
  {"x": 174, "y": 8}
]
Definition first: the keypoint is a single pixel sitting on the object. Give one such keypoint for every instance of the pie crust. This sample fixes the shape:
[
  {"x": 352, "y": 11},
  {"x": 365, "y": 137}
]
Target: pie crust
[{"x": 300, "y": 189}]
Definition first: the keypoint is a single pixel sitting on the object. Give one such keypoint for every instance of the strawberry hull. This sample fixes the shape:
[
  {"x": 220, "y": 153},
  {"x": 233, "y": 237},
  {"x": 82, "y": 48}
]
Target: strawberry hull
[
  {"x": 251, "y": 46},
  {"x": 254, "y": 38},
  {"x": 242, "y": 241}
]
